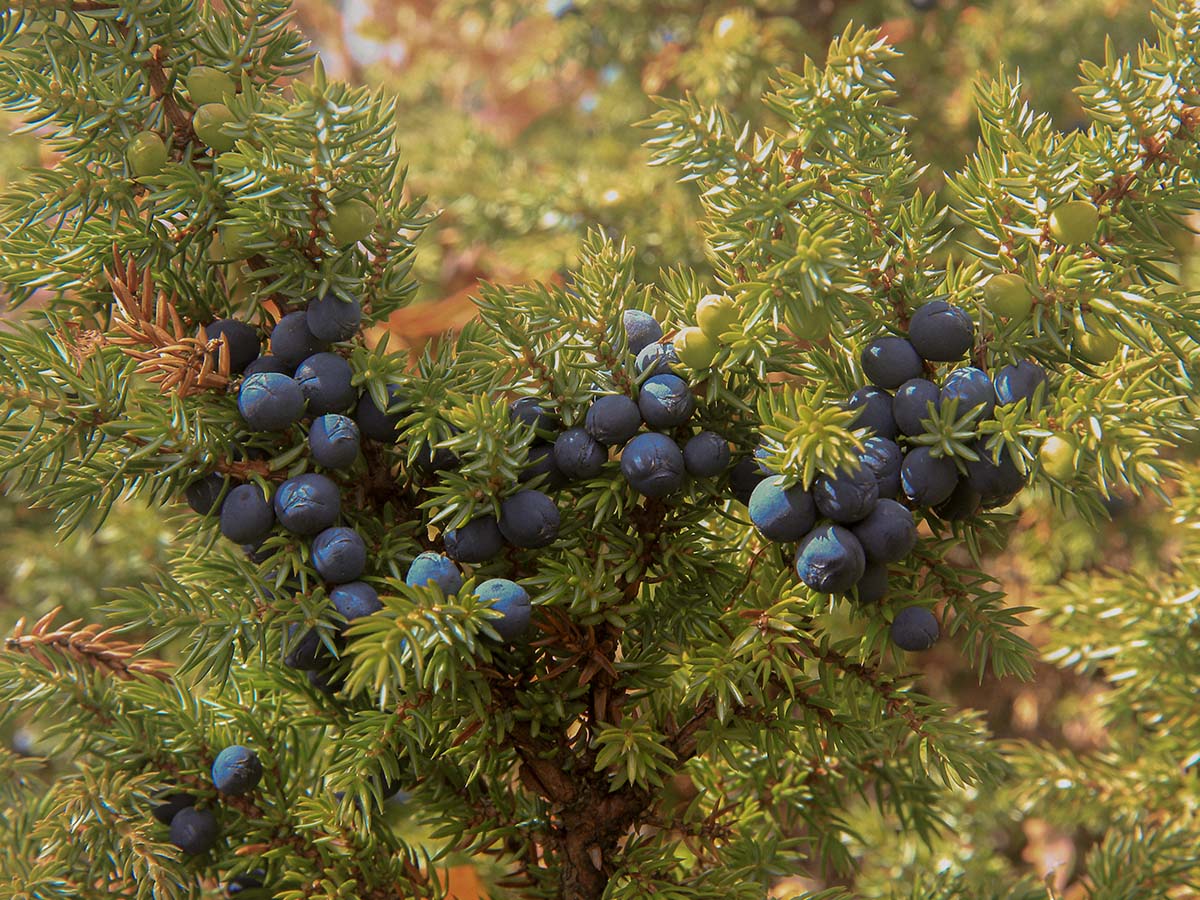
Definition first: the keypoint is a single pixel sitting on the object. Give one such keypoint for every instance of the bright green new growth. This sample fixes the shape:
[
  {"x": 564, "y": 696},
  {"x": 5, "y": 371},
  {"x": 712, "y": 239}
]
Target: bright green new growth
[{"x": 671, "y": 642}]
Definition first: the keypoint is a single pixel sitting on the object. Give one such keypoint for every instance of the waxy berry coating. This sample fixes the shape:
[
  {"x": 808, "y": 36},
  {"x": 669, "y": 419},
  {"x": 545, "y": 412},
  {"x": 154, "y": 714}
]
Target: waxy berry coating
[
  {"x": 888, "y": 534},
  {"x": 874, "y": 407},
  {"x": 477, "y": 541},
  {"x": 657, "y": 359},
  {"x": 1019, "y": 381},
  {"x": 779, "y": 513},
  {"x": 307, "y": 504},
  {"x": 332, "y": 319},
  {"x": 613, "y": 419},
  {"x": 339, "y": 555},
  {"x": 241, "y": 338},
  {"x": 665, "y": 401},
  {"x": 653, "y": 465},
  {"x": 830, "y": 560},
  {"x": 579, "y": 455},
  {"x": 927, "y": 480},
  {"x": 333, "y": 441},
  {"x": 972, "y": 389},
  {"x": 195, "y": 831},
  {"x": 641, "y": 330},
  {"x": 941, "y": 332},
  {"x": 269, "y": 401},
  {"x": 292, "y": 341},
  {"x": 512, "y": 600},
  {"x": 202, "y": 495},
  {"x": 846, "y": 496},
  {"x": 912, "y": 405},
  {"x": 529, "y": 520},
  {"x": 430, "y": 567},
  {"x": 236, "y": 770},
  {"x": 170, "y": 804},
  {"x": 996, "y": 482},
  {"x": 268, "y": 363},
  {"x": 888, "y": 362},
  {"x": 883, "y": 458},
  {"x": 246, "y": 515},
  {"x": 376, "y": 424},
  {"x": 706, "y": 455},
  {"x": 915, "y": 628},
  {"x": 355, "y": 600},
  {"x": 324, "y": 378}
]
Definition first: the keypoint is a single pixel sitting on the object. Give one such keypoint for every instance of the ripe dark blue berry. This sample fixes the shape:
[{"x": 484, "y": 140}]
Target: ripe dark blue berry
[
  {"x": 435, "y": 459},
  {"x": 529, "y": 410},
  {"x": 846, "y": 496},
  {"x": 246, "y": 515},
  {"x": 245, "y": 882},
  {"x": 706, "y": 455},
  {"x": 330, "y": 318},
  {"x": 430, "y": 567},
  {"x": 1019, "y": 381},
  {"x": 306, "y": 653},
  {"x": 339, "y": 555},
  {"x": 242, "y": 340},
  {"x": 927, "y": 480},
  {"x": 579, "y": 455},
  {"x": 324, "y": 378},
  {"x": 333, "y": 441},
  {"x": 540, "y": 461},
  {"x": 915, "y": 628},
  {"x": 194, "y": 831},
  {"x": 874, "y": 407},
  {"x": 744, "y": 478},
  {"x": 656, "y": 359},
  {"x": 653, "y": 465},
  {"x": 972, "y": 389},
  {"x": 512, "y": 600},
  {"x": 292, "y": 341},
  {"x": 269, "y": 401},
  {"x": 236, "y": 770},
  {"x": 376, "y": 424},
  {"x": 477, "y": 541},
  {"x": 941, "y": 332},
  {"x": 268, "y": 363},
  {"x": 873, "y": 586},
  {"x": 665, "y": 401},
  {"x": 996, "y": 482},
  {"x": 779, "y": 513},
  {"x": 830, "y": 560},
  {"x": 888, "y": 362},
  {"x": 613, "y": 419},
  {"x": 962, "y": 504},
  {"x": 307, "y": 504},
  {"x": 911, "y": 405},
  {"x": 888, "y": 534},
  {"x": 529, "y": 519},
  {"x": 883, "y": 458},
  {"x": 170, "y": 804},
  {"x": 355, "y": 600},
  {"x": 202, "y": 495},
  {"x": 327, "y": 680},
  {"x": 641, "y": 330}
]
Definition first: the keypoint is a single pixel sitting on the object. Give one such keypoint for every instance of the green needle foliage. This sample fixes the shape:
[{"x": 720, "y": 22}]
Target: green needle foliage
[{"x": 687, "y": 720}]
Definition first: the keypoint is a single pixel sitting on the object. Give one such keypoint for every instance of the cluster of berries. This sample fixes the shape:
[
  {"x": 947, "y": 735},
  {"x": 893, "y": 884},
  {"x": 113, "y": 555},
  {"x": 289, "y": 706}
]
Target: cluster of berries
[
  {"x": 851, "y": 525},
  {"x": 236, "y": 771}
]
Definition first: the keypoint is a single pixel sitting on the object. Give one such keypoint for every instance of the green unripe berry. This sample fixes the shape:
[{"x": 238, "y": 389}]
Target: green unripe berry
[
  {"x": 695, "y": 349},
  {"x": 1006, "y": 295},
  {"x": 208, "y": 123},
  {"x": 146, "y": 154},
  {"x": 1058, "y": 457},
  {"x": 351, "y": 221},
  {"x": 208, "y": 85},
  {"x": 1075, "y": 222},
  {"x": 716, "y": 314},
  {"x": 1094, "y": 343}
]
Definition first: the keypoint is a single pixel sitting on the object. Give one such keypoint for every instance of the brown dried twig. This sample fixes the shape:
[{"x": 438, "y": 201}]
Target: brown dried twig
[
  {"x": 90, "y": 644},
  {"x": 151, "y": 331}
]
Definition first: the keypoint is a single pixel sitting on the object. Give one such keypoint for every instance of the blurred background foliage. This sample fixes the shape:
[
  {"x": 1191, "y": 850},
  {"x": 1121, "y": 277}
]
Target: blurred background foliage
[{"x": 522, "y": 118}]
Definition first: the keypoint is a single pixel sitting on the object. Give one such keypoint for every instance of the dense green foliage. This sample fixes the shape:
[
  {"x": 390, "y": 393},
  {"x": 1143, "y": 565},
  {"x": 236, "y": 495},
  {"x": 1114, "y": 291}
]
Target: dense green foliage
[{"x": 689, "y": 720}]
